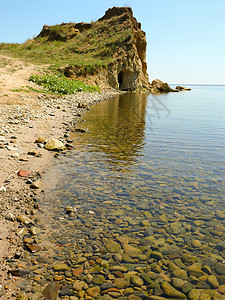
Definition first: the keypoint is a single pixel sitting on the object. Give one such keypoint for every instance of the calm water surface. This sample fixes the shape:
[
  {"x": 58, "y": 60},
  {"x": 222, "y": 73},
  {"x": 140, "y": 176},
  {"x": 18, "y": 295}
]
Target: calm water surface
[
  {"x": 138, "y": 145},
  {"x": 150, "y": 168}
]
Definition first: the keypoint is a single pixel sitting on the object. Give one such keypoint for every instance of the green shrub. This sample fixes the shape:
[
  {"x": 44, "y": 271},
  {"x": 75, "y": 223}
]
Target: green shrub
[{"x": 62, "y": 85}]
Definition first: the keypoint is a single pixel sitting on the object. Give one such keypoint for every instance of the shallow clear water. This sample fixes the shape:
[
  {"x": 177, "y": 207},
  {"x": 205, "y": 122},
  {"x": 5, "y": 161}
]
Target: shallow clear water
[
  {"x": 149, "y": 171},
  {"x": 141, "y": 144}
]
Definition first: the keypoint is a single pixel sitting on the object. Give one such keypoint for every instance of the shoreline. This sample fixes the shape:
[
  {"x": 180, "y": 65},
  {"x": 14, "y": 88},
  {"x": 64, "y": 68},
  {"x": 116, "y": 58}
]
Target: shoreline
[{"x": 20, "y": 126}]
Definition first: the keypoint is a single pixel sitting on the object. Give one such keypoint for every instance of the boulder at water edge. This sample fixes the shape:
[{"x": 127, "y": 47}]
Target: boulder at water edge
[{"x": 54, "y": 144}]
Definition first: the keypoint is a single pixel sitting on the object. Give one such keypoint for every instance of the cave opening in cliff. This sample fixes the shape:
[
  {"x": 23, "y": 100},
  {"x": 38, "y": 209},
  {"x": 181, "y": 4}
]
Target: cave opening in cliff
[{"x": 125, "y": 80}]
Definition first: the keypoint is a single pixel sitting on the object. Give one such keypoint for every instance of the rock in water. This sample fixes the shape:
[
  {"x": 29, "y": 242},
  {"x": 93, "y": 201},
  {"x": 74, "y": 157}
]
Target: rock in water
[
  {"x": 171, "y": 292},
  {"x": 182, "y": 88},
  {"x": 60, "y": 267},
  {"x": 51, "y": 291},
  {"x": 113, "y": 246},
  {"x": 161, "y": 86},
  {"x": 54, "y": 144},
  {"x": 131, "y": 251},
  {"x": 94, "y": 291}
]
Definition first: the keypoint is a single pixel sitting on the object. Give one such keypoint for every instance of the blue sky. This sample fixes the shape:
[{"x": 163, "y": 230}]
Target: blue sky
[{"x": 186, "y": 39}]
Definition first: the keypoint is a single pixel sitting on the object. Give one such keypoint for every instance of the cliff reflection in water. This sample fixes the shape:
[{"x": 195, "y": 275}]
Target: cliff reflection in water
[{"x": 118, "y": 128}]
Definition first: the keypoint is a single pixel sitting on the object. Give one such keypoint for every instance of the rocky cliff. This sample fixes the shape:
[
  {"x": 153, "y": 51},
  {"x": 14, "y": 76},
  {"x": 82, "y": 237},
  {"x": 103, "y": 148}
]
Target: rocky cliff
[
  {"x": 128, "y": 71},
  {"x": 123, "y": 47}
]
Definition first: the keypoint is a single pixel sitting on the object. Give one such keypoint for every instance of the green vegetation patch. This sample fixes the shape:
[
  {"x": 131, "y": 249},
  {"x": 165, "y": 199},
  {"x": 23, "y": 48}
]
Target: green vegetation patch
[
  {"x": 62, "y": 85},
  {"x": 94, "y": 48}
]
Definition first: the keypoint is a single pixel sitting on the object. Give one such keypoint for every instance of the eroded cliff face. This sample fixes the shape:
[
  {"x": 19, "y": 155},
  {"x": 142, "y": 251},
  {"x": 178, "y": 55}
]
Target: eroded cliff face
[
  {"x": 127, "y": 68},
  {"x": 128, "y": 71}
]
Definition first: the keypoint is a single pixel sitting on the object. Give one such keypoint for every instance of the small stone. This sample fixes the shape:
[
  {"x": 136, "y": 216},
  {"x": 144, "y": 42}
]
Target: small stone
[
  {"x": 221, "y": 289},
  {"x": 195, "y": 270},
  {"x": 51, "y": 291},
  {"x": 61, "y": 267},
  {"x": 157, "y": 255},
  {"x": 146, "y": 277},
  {"x": 136, "y": 280},
  {"x": 79, "y": 285},
  {"x": 19, "y": 272},
  {"x": 202, "y": 285},
  {"x": 177, "y": 283},
  {"x": 210, "y": 261},
  {"x": 70, "y": 209},
  {"x": 119, "y": 268},
  {"x": 131, "y": 251},
  {"x": 220, "y": 269},
  {"x": 66, "y": 291},
  {"x": 176, "y": 227},
  {"x": 34, "y": 247},
  {"x": 78, "y": 271},
  {"x": 149, "y": 231},
  {"x": 15, "y": 155},
  {"x": 41, "y": 140},
  {"x": 23, "y": 219},
  {"x": 34, "y": 230},
  {"x": 196, "y": 244},
  {"x": 156, "y": 268},
  {"x": 126, "y": 258},
  {"x": 34, "y": 153},
  {"x": 93, "y": 292},
  {"x": 10, "y": 217},
  {"x": 187, "y": 287},
  {"x": 169, "y": 250},
  {"x": 81, "y": 294},
  {"x": 24, "y": 173},
  {"x": 21, "y": 231},
  {"x": 113, "y": 246},
  {"x": 118, "y": 257},
  {"x": 134, "y": 297},
  {"x": 121, "y": 283},
  {"x": 179, "y": 273},
  {"x": 171, "y": 292},
  {"x": 213, "y": 282},
  {"x": 36, "y": 184},
  {"x": 54, "y": 144},
  {"x": 59, "y": 277},
  {"x": 194, "y": 294},
  {"x": 99, "y": 279},
  {"x": 2, "y": 189},
  {"x": 107, "y": 285},
  {"x": 140, "y": 294}
]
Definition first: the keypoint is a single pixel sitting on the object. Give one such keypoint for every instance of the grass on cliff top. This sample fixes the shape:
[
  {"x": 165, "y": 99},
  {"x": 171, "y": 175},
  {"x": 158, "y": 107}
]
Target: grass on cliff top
[
  {"x": 62, "y": 85},
  {"x": 93, "y": 48}
]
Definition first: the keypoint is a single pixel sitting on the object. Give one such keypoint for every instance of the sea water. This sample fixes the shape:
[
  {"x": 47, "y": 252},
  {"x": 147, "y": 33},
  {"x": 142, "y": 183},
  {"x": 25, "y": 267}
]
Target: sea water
[{"x": 148, "y": 172}]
